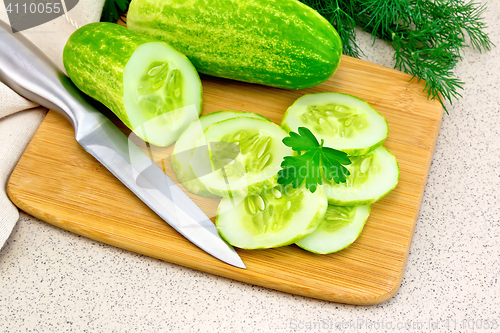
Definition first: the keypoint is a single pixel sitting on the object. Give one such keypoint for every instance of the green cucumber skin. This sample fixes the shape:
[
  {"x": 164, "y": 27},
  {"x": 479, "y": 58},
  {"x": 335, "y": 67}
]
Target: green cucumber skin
[
  {"x": 279, "y": 43},
  {"x": 95, "y": 56}
]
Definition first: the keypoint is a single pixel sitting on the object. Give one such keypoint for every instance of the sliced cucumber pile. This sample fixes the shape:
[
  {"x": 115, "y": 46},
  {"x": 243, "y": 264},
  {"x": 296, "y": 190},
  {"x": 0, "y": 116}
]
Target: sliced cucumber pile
[
  {"x": 275, "y": 217},
  {"x": 256, "y": 166},
  {"x": 371, "y": 177},
  {"x": 345, "y": 122},
  {"x": 186, "y": 144},
  {"x": 236, "y": 155},
  {"x": 156, "y": 92},
  {"x": 339, "y": 228},
  {"x": 255, "y": 212}
]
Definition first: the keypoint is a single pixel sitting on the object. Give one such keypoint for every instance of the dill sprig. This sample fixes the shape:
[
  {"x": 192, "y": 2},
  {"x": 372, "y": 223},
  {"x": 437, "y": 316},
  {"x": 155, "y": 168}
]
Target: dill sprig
[
  {"x": 340, "y": 13},
  {"x": 113, "y": 9},
  {"x": 428, "y": 36}
]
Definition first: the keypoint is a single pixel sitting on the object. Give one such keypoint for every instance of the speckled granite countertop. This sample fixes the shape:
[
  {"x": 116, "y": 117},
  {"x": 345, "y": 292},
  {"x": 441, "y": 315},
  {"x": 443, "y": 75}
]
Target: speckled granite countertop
[{"x": 54, "y": 281}]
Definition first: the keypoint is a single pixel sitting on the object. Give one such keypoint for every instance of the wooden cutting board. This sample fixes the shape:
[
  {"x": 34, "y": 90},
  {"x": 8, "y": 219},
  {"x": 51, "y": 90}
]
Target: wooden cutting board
[{"x": 58, "y": 182}]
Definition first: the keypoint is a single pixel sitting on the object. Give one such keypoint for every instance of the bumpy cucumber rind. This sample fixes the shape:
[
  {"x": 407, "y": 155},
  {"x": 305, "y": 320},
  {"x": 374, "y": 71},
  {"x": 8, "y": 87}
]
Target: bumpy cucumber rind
[
  {"x": 280, "y": 43},
  {"x": 311, "y": 217},
  {"x": 186, "y": 143}
]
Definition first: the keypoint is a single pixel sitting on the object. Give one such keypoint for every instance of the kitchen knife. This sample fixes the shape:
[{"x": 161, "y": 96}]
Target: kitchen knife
[{"x": 26, "y": 70}]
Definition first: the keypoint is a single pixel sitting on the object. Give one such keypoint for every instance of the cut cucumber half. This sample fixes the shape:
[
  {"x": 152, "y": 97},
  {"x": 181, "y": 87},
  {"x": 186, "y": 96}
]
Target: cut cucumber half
[
  {"x": 345, "y": 122},
  {"x": 340, "y": 227},
  {"x": 371, "y": 177},
  {"x": 275, "y": 217},
  {"x": 261, "y": 151},
  {"x": 161, "y": 92},
  {"x": 183, "y": 150},
  {"x": 151, "y": 87}
]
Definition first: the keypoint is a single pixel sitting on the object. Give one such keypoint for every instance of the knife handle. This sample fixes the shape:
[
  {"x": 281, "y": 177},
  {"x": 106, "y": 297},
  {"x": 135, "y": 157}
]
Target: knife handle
[{"x": 26, "y": 70}]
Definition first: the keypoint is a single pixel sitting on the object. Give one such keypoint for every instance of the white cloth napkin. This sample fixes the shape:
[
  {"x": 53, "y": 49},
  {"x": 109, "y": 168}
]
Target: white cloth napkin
[{"x": 17, "y": 128}]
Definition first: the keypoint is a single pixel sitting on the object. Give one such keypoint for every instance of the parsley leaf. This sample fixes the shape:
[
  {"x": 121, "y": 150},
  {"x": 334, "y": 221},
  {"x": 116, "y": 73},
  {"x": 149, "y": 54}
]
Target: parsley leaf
[
  {"x": 113, "y": 9},
  {"x": 313, "y": 162}
]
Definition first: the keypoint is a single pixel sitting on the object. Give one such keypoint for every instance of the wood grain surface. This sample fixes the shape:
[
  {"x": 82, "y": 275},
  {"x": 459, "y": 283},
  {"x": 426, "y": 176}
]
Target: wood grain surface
[{"x": 58, "y": 182}]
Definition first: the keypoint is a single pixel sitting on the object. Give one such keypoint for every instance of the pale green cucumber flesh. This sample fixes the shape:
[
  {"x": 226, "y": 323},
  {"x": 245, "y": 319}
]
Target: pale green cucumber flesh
[
  {"x": 371, "y": 177},
  {"x": 345, "y": 122},
  {"x": 261, "y": 153},
  {"x": 340, "y": 227},
  {"x": 275, "y": 217},
  {"x": 183, "y": 150},
  {"x": 162, "y": 93},
  {"x": 281, "y": 43}
]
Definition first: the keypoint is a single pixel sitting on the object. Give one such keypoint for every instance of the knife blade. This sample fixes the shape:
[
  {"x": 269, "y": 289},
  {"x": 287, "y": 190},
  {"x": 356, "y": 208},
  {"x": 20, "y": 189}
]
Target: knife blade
[{"x": 26, "y": 70}]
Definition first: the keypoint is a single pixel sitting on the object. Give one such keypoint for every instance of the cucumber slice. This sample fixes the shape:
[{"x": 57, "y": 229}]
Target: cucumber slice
[
  {"x": 340, "y": 227},
  {"x": 183, "y": 150},
  {"x": 345, "y": 122},
  {"x": 262, "y": 151},
  {"x": 151, "y": 87},
  {"x": 161, "y": 93},
  {"x": 371, "y": 177},
  {"x": 277, "y": 216}
]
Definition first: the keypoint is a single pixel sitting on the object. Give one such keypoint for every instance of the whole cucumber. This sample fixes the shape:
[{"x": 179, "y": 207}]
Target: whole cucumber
[{"x": 279, "y": 43}]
